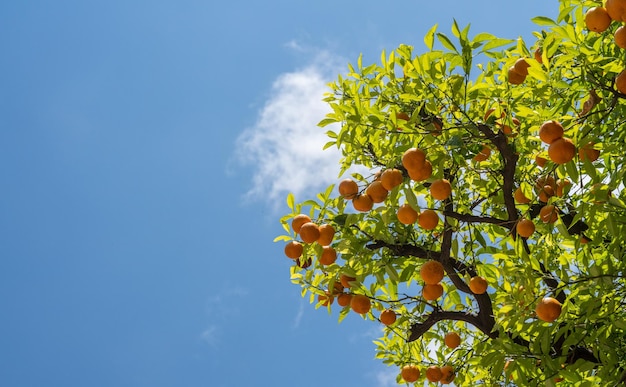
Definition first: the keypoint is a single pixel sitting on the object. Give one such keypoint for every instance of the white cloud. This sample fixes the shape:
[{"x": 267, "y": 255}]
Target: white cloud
[
  {"x": 210, "y": 336},
  {"x": 298, "y": 318},
  {"x": 284, "y": 146},
  {"x": 386, "y": 377}
]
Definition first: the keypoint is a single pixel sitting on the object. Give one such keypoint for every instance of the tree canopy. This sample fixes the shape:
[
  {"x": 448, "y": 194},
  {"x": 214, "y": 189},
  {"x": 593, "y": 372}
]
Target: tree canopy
[{"x": 479, "y": 213}]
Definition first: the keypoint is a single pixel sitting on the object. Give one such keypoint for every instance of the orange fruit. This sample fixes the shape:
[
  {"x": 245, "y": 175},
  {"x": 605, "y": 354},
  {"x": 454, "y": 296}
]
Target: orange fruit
[
  {"x": 440, "y": 189},
  {"x": 597, "y": 19},
  {"x": 337, "y": 288},
  {"x": 562, "y": 186},
  {"x": 620, "y": 82},
  {"x": 413, "y": 158},
  {"x": 548, "y": 214},
  {"x": 325, "y": 299},
  {"x": 345, "y": 280},
  {"x": 478, "y": 285},
  {"x": 433, "y": 374},
  {"x": 303, "y": 263},
  {"x": 410, "y": 373},
  {"x": 545, "y": 180},
  {"x": 452, "y": 340},
  {"x": 376, "y": 191},
  {"x": 348, "y": 188},
  {"x": 360, "y": 303},
  {"x": 586, "y": 152},
  {"x": 422, "y": 173},
  {"x": 540, "y": 161},
  {"x": 483, "y": 155},
  {"x": 327, "y": 233},
  {"x": 403, "y": 116},
  {"x": 298, "y": 221},
  {"x": 428, "y": 219},
  {"x": 328, "y": 256},
  {"x": 616, "y": 9},
  {"x": 432, "y": 272},
  {"x": 362, "y": 203},
  {"x": 521, "y": 66},
  {"x": 548, "y": 309},
  {"x": 309, "y": 232},
  {"x": 293, "y": 249},
  {"x": 525, "y": 228},
  {"x": 391, "y": 178},
  {"x": 343, "y": 299},
  {"x": 620, "y": 37},
  {"x": 431, "y": 292},
  {"x": 519, "y": 196},
  {"x": 514, "y": 77},
  {"x": 545, "y": 193},
  {"x": 387, "y": 317},
  {"x": 406, "y": 214},
  {"x": 550, "y": 131},
  {"x": 538, "y": 54},
  {"x": 562, "y": 150},
  {"x": 447, "y": 374}
]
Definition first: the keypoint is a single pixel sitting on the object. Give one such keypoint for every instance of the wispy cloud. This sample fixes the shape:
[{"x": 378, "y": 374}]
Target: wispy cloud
[
  {"x": 284, "y": 146},
  {"x": 298, "y": 318},
  {"x": 210, "y": 336},
  {"x": 386, "y": 377},
  {"x": 221, "y": 305}
]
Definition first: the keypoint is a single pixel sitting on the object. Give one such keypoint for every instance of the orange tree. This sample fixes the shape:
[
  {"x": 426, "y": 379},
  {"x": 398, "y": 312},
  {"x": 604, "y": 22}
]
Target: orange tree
[{"x": 482, "y": 193}]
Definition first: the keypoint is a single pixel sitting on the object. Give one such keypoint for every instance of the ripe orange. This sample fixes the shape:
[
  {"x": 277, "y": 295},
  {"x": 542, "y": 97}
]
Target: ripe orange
[
  {"x": 542, "y": 181},
  {"x": 447, "y": 374},
  {"x": 440, "y": 189},
  {"x": 597, "y": 19},
  {"x": 428, "y": 219},
  {"x": 413, "y": 158},
  {"x": 343, "y": 299},
  {"x": 360, "y": 303},
  {"x": 433, "y": 374},
  {"x": 406, "y": 214},
  {"x": 452, "y": 340},
  {"x": 525, "y": 228},
  {"x": 521, "y": 66},
  {"x": 562, "y": 150},
  {"x": 520, "y": 197},
  {"x": 422, "y": 173},
  {"x": 620, "y": 37},
  {"x": 548, "y": 309},
  {"x": 325, "y": 299},
  {"x": 293, "y": 249},
  {"x": 376, "y": 191},
  {"x": 328, "y": 256},
  {"x": 538, "y": 54},
  {"x": 403, "y": 116},
  {"x": 586, "y": 152},
  {"x": 391, "y": 178},
  {"x": 337, "y": 288},
  {"x": 483, "y": 155},
  {"x": 410, "y": 373},
  {"x": 348, "y": 188},
  {"x": 514, "y": 77},
  {"x": 545, "y": 193},
  {"x": 345, "y": 280},
  {"x": 362, "y": 203},
  {"x": 387, "y": 317},
  {"x": 432, "y": 272},
  {"x": 620, "y": 81},
  {"x": 309, "y": 232},
  {"x": 478, "y": 285},
  {"x": 303, "y": 263},
  {"x": 562, "y": 186},
  {"x": 298, "y": 221},
  {"x": 548, "y": 214},
  {"x": 550, "y": 131},
  {"x": 616, "y": 9},
  {"x": 540, "y": 161},
  {"x": 327, "y": 233},
  {"x": 431, "y": 292}
]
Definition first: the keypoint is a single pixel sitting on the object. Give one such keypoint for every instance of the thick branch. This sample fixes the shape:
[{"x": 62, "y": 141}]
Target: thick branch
[
  {"x": 418, "y": 329},
  {"x": 475, "y": 218}
]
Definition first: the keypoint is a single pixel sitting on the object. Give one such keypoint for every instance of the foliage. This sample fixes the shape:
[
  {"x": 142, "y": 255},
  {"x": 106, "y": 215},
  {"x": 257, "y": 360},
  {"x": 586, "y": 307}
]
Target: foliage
[{"x": 458, "y": 100}]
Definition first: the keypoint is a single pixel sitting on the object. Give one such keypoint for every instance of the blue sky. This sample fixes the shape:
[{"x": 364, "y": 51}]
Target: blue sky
[{"x": 146, "y": 149}]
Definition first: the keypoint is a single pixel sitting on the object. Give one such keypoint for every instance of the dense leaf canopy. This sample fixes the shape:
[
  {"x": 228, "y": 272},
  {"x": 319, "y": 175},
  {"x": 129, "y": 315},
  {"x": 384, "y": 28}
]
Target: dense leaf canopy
[{"x": 475, "y": 104}]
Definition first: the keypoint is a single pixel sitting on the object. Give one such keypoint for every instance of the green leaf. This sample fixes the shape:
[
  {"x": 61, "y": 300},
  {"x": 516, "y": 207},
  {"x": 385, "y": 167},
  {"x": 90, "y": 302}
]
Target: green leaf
[
  {"x": 446, "y": 42},
  {"x": 543, "y": 21},
  {"x": 429, "y": 38}
]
